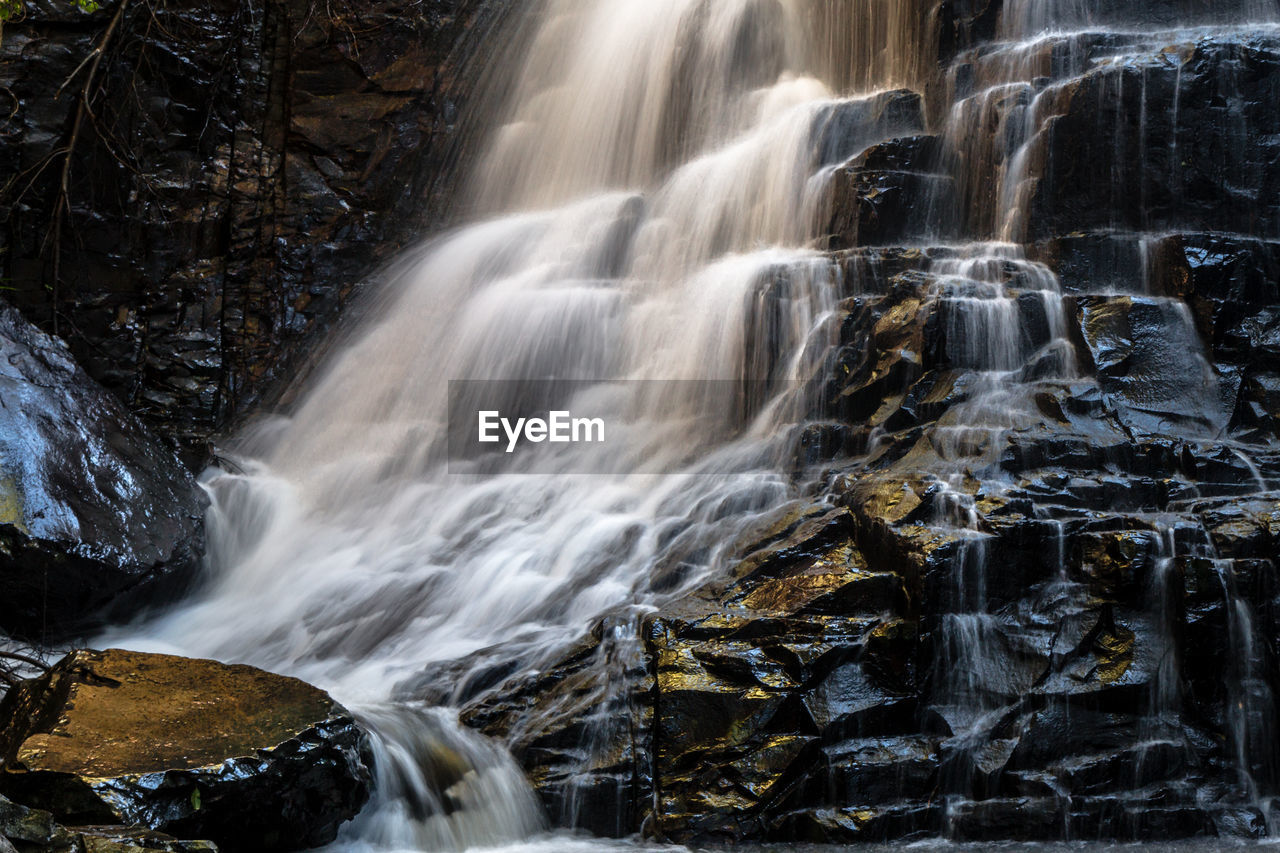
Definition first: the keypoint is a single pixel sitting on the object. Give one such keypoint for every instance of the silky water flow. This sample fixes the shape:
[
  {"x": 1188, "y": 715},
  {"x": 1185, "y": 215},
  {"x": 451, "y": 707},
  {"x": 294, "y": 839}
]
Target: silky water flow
[{"x": 645, "y": 207}]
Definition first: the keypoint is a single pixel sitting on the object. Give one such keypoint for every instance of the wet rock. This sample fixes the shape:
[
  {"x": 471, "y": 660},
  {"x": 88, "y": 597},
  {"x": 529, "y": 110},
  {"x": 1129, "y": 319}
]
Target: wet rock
[
  {"x": 1209, "y": 162},
  {"x": 875, "y": 198},
  {"x": 36, "y": 830},
  {"x": 1242, "y": 528},
  {"x": 603, "y": 789},
  {"x": 882, "y": 354},
  {"x": 1044, "y": 606},
  {"x": 1150, "y": 363},
  {"x": 1103, "y": 262},
  {"x": 245, "y": 170},
  {"x": 192, "y": 748},
  {"x": 730, "y": 698},
  {"x": 1023, "y": 818},
  {"x": 847, "y": 128},
  {"x": 22, "y": 825},
  {"x": 1230, "y": 286},
  {"x": 801, "y": 650},
  {"x": 97, "y": 517},
  {"x": 966, "y": 23},
  {"x": 877, "y": 770}
]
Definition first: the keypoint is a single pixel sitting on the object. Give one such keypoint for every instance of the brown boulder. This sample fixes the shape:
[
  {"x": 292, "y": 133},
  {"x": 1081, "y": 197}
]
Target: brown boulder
[{"x": 194, "y": 748}]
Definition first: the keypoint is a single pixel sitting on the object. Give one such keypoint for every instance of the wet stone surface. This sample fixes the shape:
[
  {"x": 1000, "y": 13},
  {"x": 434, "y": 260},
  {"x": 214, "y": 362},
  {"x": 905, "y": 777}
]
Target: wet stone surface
[
  {"x": 25, "y": 829},
  {"x": 194, "y": 749},
  {"x": 245, "y": 169},
  {"x": 1037, "y": 597},
  {"x": 97, "y": 516}
]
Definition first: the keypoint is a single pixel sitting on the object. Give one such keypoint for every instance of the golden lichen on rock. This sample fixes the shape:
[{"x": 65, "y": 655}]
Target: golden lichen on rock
[
  {"x": 130, "y": 713},
  {"x": 193, "y": 748},
  {"x": 12, "y": 506}
]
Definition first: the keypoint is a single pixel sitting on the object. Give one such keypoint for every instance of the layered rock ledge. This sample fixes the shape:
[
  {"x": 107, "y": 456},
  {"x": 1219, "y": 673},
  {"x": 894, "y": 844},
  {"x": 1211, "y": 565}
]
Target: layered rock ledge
[
  {"x": 24, "y": 829},
  {"x": 1035, "y": 595}
]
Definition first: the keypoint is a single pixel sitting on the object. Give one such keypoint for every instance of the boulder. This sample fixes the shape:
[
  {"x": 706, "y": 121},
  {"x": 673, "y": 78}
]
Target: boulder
[
  {"x": 191, "y": 748},
  {"x": 95, "y": 513}
]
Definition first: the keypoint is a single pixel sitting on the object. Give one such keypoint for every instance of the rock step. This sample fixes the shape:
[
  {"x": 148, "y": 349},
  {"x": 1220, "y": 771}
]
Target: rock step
[{"x": 192, "y": 748}]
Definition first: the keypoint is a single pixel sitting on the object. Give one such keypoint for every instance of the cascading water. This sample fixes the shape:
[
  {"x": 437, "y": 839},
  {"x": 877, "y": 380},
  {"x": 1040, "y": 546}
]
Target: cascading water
[
  {"x": 647, "y": 198},
  {"x": 653, "y": 173}
]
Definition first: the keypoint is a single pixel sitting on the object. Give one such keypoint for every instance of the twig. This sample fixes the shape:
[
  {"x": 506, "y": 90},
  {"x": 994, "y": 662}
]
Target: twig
[
  {"x": 30, "y": 661},
  {"x": 97, "y": 51}
]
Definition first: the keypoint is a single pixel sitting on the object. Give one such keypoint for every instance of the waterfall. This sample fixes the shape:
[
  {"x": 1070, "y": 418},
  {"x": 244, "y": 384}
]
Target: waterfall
[
  {"x": 642, "y": 194},
  {"x": 646, "y": 214}
]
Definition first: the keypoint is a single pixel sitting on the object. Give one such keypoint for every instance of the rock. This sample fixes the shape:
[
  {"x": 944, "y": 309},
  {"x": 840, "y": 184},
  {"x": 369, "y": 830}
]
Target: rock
[
  {"x": 878, "y": 197},
  {"x": 883, "y": 168},
  {"x": 31, "y": 827},
  {"x": 1040, "y": 596},
  {"x": 260, "y": 163},
  {"x": 97, "y": 517},
  {"x": 36, "y": 830},
  {"x": 102, "y": 839},
  {"x": 602, "y": 790},
  {"x": 1151, "y": 365},
  {"x": 1193, "y": 164},
  {"x": 848, "y": 128},
  {"x": 966, "y": 23},
  {"x": 191, "y": 748}
]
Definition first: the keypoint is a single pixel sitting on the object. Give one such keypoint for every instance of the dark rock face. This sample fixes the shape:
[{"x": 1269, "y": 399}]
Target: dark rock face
[
  {"x": 35, "y": 829},
  {"x": 1198, "y": 144},
  {"x": 244, "y": 167},
  {"x": 874, "y": 189},
  {"x": 195, "y": 749},
  {"x": 95, "y": 513},
  {"x": 876, "y": 195},
  {"x": 587, "y": 749},
  {"x": 1038, "y": 598}
]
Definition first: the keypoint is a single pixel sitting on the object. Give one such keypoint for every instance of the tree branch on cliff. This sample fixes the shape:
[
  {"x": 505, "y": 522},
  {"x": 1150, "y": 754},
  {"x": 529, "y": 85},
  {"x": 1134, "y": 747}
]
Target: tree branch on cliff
[
  {"x": 11, "y": 666},
  {"x": 62, "y": 204},
  {"x": 26, "y": 659}
]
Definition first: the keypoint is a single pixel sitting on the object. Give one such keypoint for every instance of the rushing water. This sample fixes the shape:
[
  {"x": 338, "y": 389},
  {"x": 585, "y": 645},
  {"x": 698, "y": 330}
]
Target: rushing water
[
  {"x": 650, "y": 177},
  {"x": 656, "y": 168}
]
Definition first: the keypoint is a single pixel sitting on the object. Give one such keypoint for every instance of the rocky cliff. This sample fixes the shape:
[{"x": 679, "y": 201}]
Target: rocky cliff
[
  {"x": 1036, "y": 596},
  {"x": 1032, "y": 592},
  {"x": 190, "y": 192}
]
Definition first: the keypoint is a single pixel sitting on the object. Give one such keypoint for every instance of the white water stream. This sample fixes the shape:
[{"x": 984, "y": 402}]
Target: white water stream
[{"x": 654, "y": 174}]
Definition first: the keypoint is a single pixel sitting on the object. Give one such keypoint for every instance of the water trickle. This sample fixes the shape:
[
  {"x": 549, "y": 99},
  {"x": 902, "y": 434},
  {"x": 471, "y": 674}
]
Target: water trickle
[
  {"x": 1251, "y": 708},
  {"x": 1027, "y": 17}
]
